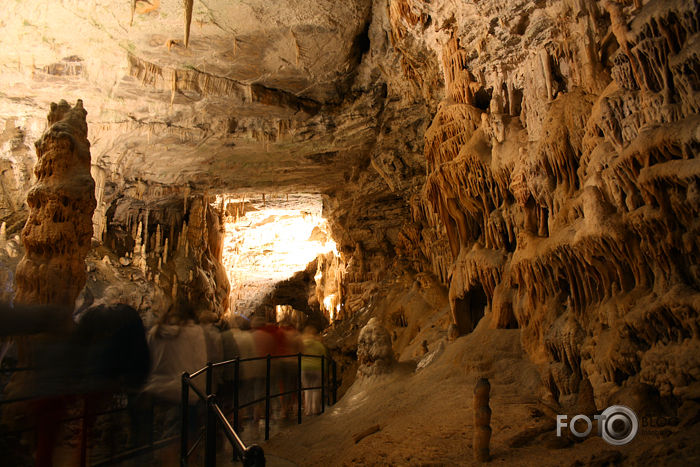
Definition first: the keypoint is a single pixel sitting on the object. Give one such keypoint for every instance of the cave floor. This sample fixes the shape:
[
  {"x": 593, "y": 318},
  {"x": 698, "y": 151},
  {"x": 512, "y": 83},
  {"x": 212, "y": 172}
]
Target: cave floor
[
  {"x": 426, "y": 418},
  {"x": 67, "y": 456}
]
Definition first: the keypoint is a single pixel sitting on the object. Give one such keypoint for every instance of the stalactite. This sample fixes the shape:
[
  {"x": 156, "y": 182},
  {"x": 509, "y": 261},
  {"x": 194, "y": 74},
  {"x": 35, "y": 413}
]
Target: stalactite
[
  {"x": 402, "y": 17},
  {"x": 188, "y": 19},
  {"x": 186, "y": 193}
]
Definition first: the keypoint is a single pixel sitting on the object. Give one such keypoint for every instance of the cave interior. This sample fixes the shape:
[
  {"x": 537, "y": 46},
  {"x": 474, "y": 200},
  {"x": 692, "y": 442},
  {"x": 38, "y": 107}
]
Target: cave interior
[{"x": 451, "y": 191}]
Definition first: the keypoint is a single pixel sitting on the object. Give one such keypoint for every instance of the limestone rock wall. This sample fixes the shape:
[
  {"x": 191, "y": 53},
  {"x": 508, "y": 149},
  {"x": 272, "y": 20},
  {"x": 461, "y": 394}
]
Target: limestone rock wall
[
  {"x": 17, "y": 160},
  {"x": 560, "y": 183},
  {"x": 169, "y": 240}
]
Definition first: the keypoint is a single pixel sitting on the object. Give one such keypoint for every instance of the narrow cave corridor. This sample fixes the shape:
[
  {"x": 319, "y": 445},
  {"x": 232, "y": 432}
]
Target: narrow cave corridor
[{"x": 470, "y": 309}]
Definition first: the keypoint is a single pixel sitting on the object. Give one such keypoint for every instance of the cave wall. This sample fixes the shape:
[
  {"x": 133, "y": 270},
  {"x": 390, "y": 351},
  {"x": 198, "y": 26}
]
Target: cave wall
[
  {"x": 538, "y": 158},
  {"x": 17, "y": 161},
  {"x": 559, "y": 184},
  {"x": 158, "y": 246}
]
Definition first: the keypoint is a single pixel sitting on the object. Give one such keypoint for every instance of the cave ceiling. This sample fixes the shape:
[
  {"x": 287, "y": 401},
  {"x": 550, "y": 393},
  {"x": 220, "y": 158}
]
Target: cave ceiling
[{"x": 257, "y": 100}]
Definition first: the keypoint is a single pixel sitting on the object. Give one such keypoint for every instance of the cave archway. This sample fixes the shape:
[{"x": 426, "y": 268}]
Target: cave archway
[{"x": 469, "y": 310}]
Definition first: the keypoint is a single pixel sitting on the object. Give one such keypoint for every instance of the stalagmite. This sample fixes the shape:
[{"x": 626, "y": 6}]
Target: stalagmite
[
  {"x": 138, "y": 240},
  {"x": 158, "y": 247},
  {"x": 57, "y": 234},
  {"x": 482, "y": 420},
  {"x": 547, "y": 71},
  {"x": 452, "y": 332}
]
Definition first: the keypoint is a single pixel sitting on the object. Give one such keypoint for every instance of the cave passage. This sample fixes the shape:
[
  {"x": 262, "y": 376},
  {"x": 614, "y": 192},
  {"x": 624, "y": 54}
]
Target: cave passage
[
  {"x": 470, "y": 309},
  {"x": 267, "y": 239}
]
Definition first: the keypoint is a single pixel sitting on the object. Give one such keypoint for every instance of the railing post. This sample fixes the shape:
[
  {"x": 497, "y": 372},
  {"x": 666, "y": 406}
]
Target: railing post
[
  {"x": 267, "y": 399},
  {"x": 184, "y": 422},
  {"x": 84, "y": 432},
  {"x": 210, "y": 422},
  {"x": 254, "y": 456},
  {"x": 236, "y": 382},
  {"x": 210, "y": 433},
  {"x": 335, "y": 381},
  {"x": 299, "y": 389},
  {"x": 323, "y": 383}
]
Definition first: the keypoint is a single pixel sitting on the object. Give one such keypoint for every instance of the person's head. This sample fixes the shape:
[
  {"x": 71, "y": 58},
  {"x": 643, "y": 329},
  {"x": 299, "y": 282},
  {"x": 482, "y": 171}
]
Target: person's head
[
  {"x": 242, "y": 323},
  {"x": 258, "y": 322},
  {"x": 175, "y": 316},
  {"x": 310, "y": 331},
  {"x": 207, "y": 317}
]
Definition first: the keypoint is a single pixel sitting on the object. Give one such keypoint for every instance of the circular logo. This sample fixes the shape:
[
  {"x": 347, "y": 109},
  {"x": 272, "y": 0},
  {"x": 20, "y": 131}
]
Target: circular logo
[{"x": 619, "y": 425}]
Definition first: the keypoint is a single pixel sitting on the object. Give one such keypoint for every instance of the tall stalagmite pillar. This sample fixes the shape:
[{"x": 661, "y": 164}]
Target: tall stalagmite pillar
[
  {"x": 61, "y": 204},
  {"x": 56, "y": 237}
]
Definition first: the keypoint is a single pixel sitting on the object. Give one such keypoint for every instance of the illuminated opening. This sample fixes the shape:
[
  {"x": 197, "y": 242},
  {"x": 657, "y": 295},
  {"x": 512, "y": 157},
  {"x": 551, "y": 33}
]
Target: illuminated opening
[{"x": 267, "y": 240}]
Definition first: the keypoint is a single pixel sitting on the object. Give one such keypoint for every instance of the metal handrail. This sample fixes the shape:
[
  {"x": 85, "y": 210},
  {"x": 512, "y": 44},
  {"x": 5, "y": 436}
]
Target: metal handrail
[{"x": 252, "y": 456}]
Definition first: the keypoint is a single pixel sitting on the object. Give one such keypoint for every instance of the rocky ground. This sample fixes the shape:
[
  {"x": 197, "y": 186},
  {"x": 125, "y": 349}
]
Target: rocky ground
[{"x": 426, "y": 418}]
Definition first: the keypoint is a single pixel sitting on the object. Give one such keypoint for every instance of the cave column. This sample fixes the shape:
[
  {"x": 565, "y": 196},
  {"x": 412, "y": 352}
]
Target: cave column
[{"x": 58, "y": 232}]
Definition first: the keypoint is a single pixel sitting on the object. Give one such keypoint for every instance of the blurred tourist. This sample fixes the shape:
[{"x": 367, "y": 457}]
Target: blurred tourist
[
  {"x": 292, "y": 344},
  {"x": 176, "y": 345},
  {"x": 215, "y": 349},
  {"x": 311, "y": 370}
]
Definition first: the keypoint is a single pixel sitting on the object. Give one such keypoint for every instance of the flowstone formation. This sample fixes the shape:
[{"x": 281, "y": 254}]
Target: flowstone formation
[
  {"x": 57, "y": 234},
  {"x": 563, "y": 171}
]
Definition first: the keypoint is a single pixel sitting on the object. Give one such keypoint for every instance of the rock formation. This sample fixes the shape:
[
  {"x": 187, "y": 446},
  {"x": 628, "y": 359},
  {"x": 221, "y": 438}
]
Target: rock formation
[
  {"x": 482, "y": 421},
  {"x": 374, "y": 352},
  {"x": 568, "y": 210},
  {"x": 538, "y": 160},
  {"x": 163, "y": 248},
  {"x": 57, "y": 234}
]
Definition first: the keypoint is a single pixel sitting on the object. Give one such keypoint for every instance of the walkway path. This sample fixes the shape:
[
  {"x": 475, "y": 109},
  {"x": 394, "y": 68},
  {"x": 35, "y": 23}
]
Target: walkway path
[{"x": 67, "y": 456}]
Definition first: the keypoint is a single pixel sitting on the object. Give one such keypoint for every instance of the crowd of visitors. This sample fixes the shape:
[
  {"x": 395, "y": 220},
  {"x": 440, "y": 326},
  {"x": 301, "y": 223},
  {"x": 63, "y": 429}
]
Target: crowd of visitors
[{"x": 149, "y": 364}]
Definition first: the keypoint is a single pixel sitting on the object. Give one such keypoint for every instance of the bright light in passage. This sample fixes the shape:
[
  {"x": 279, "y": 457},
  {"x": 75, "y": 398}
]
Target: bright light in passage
[{"x": 267, "y": 242}]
